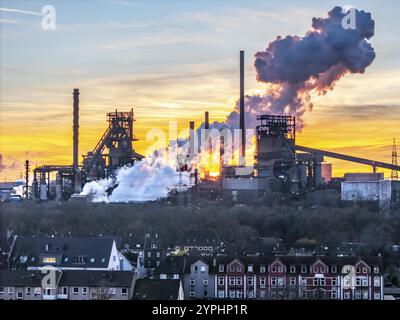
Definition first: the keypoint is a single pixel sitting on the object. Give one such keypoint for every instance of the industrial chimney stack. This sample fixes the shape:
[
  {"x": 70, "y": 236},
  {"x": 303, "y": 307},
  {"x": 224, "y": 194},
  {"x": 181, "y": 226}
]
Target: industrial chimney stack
[
  {"x": 241, "y": 105},
  {"x": 76, "y": 130}
]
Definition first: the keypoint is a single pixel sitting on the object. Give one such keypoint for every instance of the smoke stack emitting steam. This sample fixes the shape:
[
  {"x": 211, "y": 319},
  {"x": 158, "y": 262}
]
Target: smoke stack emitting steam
[
  {"x": 293, "y": 67},
  {"x": 76, "y": 130}
]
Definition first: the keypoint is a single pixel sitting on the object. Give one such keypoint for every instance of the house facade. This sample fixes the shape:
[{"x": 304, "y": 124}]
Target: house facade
[
  {"x": 282, "y": 278},
  {"x": 68, "y": 285}
]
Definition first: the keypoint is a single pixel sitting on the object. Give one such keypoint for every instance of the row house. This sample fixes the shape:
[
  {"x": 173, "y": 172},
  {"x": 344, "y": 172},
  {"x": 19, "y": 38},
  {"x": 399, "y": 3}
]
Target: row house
[
  {"x": 66, "y": 285},
  {"x": 346, "y": 278}
]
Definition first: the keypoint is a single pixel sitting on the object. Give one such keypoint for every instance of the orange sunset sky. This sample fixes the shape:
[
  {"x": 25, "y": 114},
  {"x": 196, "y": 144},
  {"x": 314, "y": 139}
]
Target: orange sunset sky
[{"x": 173, "y": 62}]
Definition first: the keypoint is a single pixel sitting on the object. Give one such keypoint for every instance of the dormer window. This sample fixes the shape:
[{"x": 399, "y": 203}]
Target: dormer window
[
  {"x": 49, "y": 260},
  {"x": 92, "y": 260},
  {"x": 221, "y": 268}
]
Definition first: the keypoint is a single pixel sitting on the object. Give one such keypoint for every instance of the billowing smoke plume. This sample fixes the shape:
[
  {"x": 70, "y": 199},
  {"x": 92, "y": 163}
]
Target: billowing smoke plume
[
  {"x": 294, "y": 67},
  {"x": 150, "y": 179}
]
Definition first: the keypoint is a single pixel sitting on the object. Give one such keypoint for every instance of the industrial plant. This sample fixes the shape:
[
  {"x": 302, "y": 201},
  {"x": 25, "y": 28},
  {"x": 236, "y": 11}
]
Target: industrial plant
[{"x": 280, "y": 164}]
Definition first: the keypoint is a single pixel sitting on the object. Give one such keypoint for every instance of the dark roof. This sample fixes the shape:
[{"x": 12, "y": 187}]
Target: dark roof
[
  {"x": 172, "y": 265},
  {"x": 155, "y": 289},
  {"x": 29, "y": 251},
  {"x": 200, "y": 237},
  {"x": 29, "y": 278},
  {"x": 94, "y": 278},
  {"x": 22, "y": 278}
]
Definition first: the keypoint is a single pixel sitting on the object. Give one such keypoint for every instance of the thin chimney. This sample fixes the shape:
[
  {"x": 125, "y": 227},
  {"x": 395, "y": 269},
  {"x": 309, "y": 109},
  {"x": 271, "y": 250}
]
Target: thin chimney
[
  {"x": 76, "y": 130},
  {"x": 242, "y": 123},
  {"x": 192, "y": 139}
]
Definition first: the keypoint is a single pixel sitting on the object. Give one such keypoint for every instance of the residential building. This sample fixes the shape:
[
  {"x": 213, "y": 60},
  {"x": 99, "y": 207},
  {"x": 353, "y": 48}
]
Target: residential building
[
  {"x": 68, "y": 285},
  {"x": 199, "y": 278},
  {"x": 66, "y": 253},
  {"x": 172, "y": 267},
  {"x": 156, "y": 289},
  {"x": 200, "y": 242}
]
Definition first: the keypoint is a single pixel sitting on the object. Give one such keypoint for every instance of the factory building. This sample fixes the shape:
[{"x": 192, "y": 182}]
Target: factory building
[{"x": 367, "y": 187}]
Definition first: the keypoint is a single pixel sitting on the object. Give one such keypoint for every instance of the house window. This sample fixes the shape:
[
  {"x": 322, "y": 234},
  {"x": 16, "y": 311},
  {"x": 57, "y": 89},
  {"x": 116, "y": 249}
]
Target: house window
[
  {"x": 315, "y": 270},
  {"x": 232, "y": 294},
  {"x": 280, "y": 269},
  {"x": 221, "y": 281},
  {"x": 376, "y": 270},
  {"x": 250, "y": 281},
  {"x": 210, "y": 248},
  {"x": 358, "y": 270},
  {"x": 303, "y": 269},
  {"x": 334, "y": 282},
  {"x": 303, "y": 281},
  {"x": 358, "y": 294},
  {"x": 49, "y": 260},
  {"x": 273, "y": 295},
  {"x": 365, "y": 270},
  {"x": 262, "y": 269},
  {"x": 303, "y": 294},
  {"x": 292, "y": 269},
  {"x": 358, "y": 282},
  {"x": 322, "y": 281},
  {"x": 221, "y": 268},
  {"x": 250, "y": 295},
  {"x": 148, "y": 254},
  {"x": 232, "y": 269},
  {"x": 365, "y": 282},
  {"x": 377, "y": 282},
  {"x": 239, "y": 294},
  {"x": 347, "y": 295},
  {"x": 196, "y": 268},
  {"x": 205, "y": 282},
  {"x": 292, "y": 281},
  {"x": 19, "y": 295},
  {"x": 2, "y": 290},
  {"x": 315, "y": 281},
  {"x": 10, "y": 290},
  {"x": 280, "y": 281},
  {"x": 273, "y": 281},
  {"x": 28, "y": 291},
  {"x": 203, "y": 269},
  {"x": 231, "y": 281},
  {"x": 292, "y": 295},
  {"x": 238, "y": 269},
  {"x": 334, "y": 294},
  {"x": 64, "y": 290},
  {"x": 377, "y": 296},
  {"x": 333, "y": 269},
  {"x": 192, "y": 282},
  {"x": 250, "y": 268},
  {"x": 192, "y": 293},
  {"x": 163, "y": 276},
  {"x": 48, "y": 292},
  {"x": 322, "y": 270},
  {"x": 84, "y": 290},
  {"x": 221, "y": 294},
  {"x": 124, "y": 291},
  {"x": 273, "y": 269},
  {"x": 176, "y": 276},
  {"x": 75, "y": 290},
  {"x": 262, "y": 282},
  {"x": 239, "y": 281}
]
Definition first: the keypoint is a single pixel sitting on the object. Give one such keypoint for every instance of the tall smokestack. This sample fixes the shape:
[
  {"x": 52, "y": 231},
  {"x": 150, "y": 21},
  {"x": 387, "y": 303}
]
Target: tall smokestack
[
  {"x": 207, "y": 121},
  {"x": 242, "y": 124},
  {"x": 192, "y": 139},
  {"x": 76, "y": 129}
]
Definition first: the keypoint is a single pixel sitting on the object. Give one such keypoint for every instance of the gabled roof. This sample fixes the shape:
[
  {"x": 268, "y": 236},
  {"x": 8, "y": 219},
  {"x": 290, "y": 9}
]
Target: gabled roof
[
  {"x": 155, "y": 289},
  {"x": 94, "y": 278},
  {"x": 200, "y": 238},
  {"x": 172, "y": 265},
  {"x": 29, "y": 251}
]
